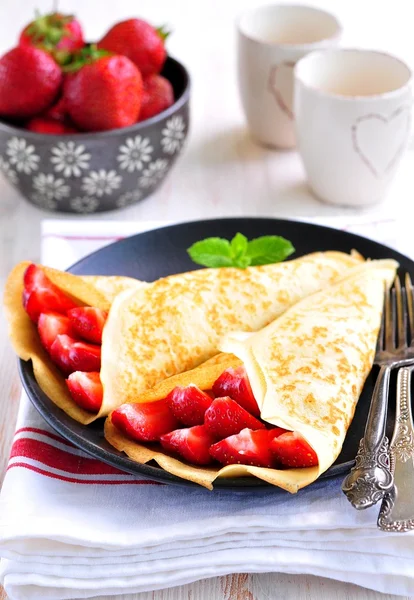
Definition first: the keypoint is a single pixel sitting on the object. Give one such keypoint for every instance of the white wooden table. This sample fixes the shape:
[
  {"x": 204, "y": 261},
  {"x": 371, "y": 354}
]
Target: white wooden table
[{"x": 221, "y": 173}]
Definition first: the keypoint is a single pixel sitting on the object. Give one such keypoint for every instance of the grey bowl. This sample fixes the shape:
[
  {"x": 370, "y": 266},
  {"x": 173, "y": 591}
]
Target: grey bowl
[{"x": 96, "y": 172}]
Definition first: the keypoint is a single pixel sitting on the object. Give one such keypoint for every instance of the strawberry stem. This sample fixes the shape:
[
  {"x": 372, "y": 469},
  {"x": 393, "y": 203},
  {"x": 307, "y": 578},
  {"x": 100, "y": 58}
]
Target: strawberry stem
[
  {"x": 163, "y": 32},
  {"x": 85, "y": 56}
]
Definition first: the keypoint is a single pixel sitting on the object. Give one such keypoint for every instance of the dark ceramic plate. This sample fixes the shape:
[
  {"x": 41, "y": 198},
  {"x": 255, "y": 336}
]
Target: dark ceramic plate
[{"x": 162, "y": 252}]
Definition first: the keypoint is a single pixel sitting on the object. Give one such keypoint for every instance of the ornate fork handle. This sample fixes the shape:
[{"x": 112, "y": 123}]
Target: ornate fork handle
[
  {"x": 397, "y": 509},
  {"x": 371, "y": 477}
]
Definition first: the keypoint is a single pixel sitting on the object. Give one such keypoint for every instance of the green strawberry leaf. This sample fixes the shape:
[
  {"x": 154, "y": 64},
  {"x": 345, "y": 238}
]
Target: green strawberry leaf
[
  {"x": 211, "y": 252},
  {"x": 269, "y": 249},
  {"x": 239, "y": 252}
]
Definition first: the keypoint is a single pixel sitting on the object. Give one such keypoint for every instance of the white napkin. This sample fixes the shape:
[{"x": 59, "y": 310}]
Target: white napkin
[{"x": 71, "y": 526}]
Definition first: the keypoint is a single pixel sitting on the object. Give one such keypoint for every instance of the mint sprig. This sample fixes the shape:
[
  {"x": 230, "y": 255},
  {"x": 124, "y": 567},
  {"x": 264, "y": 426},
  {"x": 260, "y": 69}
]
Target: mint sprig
[{"x": 240, "y": 252}]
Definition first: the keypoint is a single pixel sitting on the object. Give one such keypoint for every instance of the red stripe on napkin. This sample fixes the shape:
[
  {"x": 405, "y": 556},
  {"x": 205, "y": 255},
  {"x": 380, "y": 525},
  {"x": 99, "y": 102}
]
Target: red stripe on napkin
[
  {"x": 74, "y": 480},
  {"x": 60, "y": 459},
  {"x": 52, "y": 436},
  {"x": 71, "y": 465}
]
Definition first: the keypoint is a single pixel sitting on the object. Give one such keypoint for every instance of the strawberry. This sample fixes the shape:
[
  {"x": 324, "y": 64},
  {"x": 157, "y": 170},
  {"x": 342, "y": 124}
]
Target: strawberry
[
  {"x": 192, "y": 444},
  {"x": 235, "y": 383},
  {"x": 55, "y": 33},
  {"x": 140, "y": 42},
  {"x": 291, "y": 450},
  {"x": 88, "y": 323},
  {"x": 146, "y": 421},
  {"x": 41, "y": 295},
  {"x": 29, "y": 82},
  {"x": 49, "y": 126},
  {"x": 157, "y": 95},
  {"x": 245, "y": 448},
  {"x": 71, "y": 355},
  {"x": 86, "y": 390},
  {"x": 104, "y": 92},
  {"x": 188, "y": 404},
  {"x": 50, "y": 325},
  {"x": 57, "y": 112},
  {"x": 225, "y": 417}
]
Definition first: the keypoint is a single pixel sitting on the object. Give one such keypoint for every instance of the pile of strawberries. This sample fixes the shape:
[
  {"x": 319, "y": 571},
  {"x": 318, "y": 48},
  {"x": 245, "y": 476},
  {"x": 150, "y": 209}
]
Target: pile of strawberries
[
  {"x": 53, "y": 82},
  {"x": 222, "y": 426},
  {"x": 71, "y": 335}
]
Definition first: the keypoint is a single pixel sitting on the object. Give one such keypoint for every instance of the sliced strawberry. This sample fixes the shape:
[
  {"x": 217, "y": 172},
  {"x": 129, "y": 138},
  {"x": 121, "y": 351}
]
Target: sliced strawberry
[
  {"x": 245, "y": 448},
  {"x": 71, "y": 355},
  {"x": 192, "y": 444},
  {"x": 225, "y": 417},
  {"x": 235, "y": 383},
  {"x": 88, "y": 322},
  {"x": 86, "y": 390},
  {"x": 188, "y": 404},
  {"x": 50, "y": 325},
  {"x": 41, "y": 295},
  {"x": 145, "y": 421},
  {"x": 291, "y": 450}
]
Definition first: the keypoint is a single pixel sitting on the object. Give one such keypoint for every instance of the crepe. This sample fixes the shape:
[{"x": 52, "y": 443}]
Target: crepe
[
  {"x": 306, "y": 369},
  {"x": 98, "y": 291},
  {"x": 175, "y": 323}
]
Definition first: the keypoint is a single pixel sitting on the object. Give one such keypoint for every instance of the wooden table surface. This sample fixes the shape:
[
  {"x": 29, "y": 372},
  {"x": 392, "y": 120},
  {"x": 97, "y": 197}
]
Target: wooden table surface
[{"x": 221, "y": 173}]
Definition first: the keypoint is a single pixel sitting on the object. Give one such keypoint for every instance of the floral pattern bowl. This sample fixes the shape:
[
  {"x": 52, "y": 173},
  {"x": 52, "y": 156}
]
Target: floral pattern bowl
[{"x": 95, "y": 172}]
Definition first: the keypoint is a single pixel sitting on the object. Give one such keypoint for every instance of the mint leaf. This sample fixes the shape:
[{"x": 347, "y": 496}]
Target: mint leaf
[
  {"x": 268, "y": 249},
  {"x": 238, "y": 245},
  {"x": 239, "y": 252},
  {"x": 211, "y": 252}
]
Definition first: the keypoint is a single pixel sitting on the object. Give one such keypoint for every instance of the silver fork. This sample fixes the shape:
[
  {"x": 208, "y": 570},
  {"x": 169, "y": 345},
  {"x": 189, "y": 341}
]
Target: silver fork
[
  {"x": 397, "y": 508},
  {"x": 371, "y": 478}
]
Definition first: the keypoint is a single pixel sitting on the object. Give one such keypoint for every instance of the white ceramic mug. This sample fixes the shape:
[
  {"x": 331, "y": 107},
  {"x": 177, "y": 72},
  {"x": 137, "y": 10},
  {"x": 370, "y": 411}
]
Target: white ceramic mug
[
  {"x": 353, "y": 116},
  {"x": 270, "y": 41}
]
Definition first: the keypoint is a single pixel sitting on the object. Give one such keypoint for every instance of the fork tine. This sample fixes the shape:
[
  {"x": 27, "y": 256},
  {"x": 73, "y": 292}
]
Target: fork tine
[
  {"x": 410, "y": 305},
  {"x": 380, "y": 340},
  {"x": 389, "y": 322},
  {"x": 401, "y": 314}
]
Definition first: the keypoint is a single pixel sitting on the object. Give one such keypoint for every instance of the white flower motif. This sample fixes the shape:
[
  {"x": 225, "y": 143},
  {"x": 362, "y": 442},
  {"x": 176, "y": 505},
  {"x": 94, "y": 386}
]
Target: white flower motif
[
  {"x": 101, "y": 182},
  {"x": 135, "y": 153},
  {"x": 49, "y": 187},
  {"x": 173, "y": 135},
  {"x": 84, "y": 204},
  {"x": 70, "y": 159},
  {"x": 128, "y": 198},
  {"x": 154, "y": 173},
  {"x": 7, "y": 171},
  {"x": 44, "y": 202},
  {"x": 22, "y": 155}
]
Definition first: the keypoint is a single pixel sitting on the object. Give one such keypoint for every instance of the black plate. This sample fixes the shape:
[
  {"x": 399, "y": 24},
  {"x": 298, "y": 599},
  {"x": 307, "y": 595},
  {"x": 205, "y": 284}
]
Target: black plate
[{"x": 162, "y": 252}]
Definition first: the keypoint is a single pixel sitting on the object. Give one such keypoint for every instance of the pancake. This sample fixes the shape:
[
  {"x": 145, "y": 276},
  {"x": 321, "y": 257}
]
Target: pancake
[
  {"x": 307, "y": 369},
  {"x": 175, "y": 323}
]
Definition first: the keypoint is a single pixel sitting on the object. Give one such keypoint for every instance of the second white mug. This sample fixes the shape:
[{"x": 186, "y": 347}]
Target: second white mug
[
  {"x": 271, "y": 39},
  {"x": 353, "y": 116}
]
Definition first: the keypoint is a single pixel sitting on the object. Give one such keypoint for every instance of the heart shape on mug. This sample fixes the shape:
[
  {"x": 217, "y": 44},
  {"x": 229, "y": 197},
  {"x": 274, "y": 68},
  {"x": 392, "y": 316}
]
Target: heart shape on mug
[
  {"x": 280, "y": 85},
  {"x": 379, "y": 140}
]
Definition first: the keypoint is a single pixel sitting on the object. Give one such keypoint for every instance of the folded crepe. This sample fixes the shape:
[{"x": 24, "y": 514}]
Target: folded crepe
[
  {"x": 97, "y": 291},
  {"x": 175, "y": 323},
  {"x": 150, "y": 336},
  {"x": 307, "y": 369}
]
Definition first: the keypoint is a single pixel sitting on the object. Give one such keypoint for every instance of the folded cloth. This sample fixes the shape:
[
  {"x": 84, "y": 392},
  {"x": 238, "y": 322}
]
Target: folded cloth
[{"x": 71, "y": 526}]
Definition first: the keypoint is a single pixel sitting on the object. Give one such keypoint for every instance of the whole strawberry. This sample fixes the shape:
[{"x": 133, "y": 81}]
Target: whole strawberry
[
  {"x": 158, "y": 95},
  {"x": 29, "y": 82},
  {"x": 53, "y": 32},
  {"x": 104, "y": 93},
  {"x": 140, "y": 42},
  {"x": 49, "y": 126}
]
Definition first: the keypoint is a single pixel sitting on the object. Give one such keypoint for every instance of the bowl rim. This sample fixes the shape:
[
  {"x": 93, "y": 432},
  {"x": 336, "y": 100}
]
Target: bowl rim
[{"x": 136, "y": 127}]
